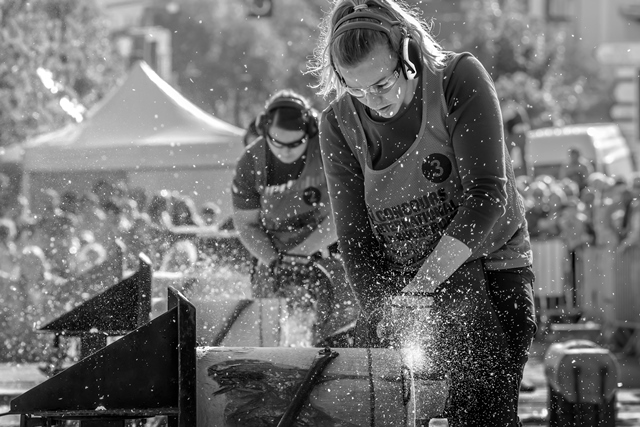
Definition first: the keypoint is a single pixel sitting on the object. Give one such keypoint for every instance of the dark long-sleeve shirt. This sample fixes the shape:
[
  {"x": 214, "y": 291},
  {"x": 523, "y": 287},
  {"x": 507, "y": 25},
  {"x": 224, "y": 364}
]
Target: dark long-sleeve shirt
[{"x": 474, "y": 125}]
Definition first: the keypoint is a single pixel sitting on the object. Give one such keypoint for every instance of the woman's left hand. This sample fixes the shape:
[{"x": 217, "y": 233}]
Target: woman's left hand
[
  {"x": 391, "y": 326},
  {"x": 420, "y": 286},
  {"x": 448, "y": 255}
]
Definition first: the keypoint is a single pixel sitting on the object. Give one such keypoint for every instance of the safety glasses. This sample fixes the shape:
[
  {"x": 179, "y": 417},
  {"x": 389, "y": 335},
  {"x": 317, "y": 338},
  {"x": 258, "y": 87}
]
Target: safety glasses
[
  {"x": 377, "y": 89},
  {"x": 290, "y": 145}
]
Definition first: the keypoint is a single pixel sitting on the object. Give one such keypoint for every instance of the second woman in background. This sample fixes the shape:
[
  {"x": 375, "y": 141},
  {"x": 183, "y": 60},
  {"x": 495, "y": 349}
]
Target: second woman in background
[{"x": 281, "y": 207}]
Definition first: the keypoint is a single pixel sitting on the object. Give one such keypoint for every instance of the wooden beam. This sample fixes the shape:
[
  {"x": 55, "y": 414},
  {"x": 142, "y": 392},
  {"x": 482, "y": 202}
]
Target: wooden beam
[{"x": 361, "y": 387}]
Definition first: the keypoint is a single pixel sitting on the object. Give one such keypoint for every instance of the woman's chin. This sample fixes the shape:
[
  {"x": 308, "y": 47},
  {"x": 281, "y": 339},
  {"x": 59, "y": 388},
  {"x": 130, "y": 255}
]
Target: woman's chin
[{"x": 386, "y": 112}]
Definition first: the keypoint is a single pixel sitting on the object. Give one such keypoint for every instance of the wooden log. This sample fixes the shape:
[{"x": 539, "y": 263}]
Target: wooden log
[
  {"x": 260, "y": 322},
  {"x": 361, "y": 387},
  {"x": 241, "y": 322}
]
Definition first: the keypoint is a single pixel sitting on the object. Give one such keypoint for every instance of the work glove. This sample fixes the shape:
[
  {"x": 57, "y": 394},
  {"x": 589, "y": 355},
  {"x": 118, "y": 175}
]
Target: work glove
[
  {"x": 365, "y": 335},
  {"x": 406, "y": 320}
]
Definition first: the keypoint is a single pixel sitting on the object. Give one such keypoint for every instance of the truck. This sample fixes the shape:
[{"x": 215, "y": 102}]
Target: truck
[{"x": 603, "y": 144}]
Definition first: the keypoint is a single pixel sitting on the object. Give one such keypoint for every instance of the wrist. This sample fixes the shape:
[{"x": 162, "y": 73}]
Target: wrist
[
  {"x": 417, "y": 293},
  {"x": 411, "y": 301},
  {"x": 275, "y": 261},
  {"x": 422, "y": 284}
]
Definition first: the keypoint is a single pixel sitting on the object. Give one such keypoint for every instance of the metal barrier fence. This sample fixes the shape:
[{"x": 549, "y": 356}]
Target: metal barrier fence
[
  {"x": 609, "y": 285},
  {"x": 552, "y": 267},
  {"x": 595, "y": 269},
  {"x": 627, "y": 286},
  {"x": 603, "y": 283}
]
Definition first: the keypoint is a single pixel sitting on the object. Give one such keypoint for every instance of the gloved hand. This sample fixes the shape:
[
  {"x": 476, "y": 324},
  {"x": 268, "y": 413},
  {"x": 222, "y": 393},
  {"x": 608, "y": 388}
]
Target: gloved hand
[
  {"x": 365, "y": 335},
  {"x": 405, "y": 319},
  {"x": 293, "y": 278},
  {"x": 287, "y": 262}
]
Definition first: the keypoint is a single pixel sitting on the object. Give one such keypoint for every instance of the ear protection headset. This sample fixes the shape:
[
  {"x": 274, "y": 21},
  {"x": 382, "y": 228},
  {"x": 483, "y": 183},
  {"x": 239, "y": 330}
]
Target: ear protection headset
[
  {"x": 309, "y": 116},
  {"x": 410, "y": 53}
]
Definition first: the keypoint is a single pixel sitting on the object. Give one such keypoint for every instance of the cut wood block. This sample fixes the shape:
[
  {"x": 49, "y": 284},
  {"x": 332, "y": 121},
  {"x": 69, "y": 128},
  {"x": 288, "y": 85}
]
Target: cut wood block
[
  {"x": 241, "y": 322},
  {"x": 360, "y": 387}
]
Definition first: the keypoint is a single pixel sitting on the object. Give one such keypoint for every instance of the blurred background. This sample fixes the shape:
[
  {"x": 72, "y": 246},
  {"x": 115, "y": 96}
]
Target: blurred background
[
  {"x": 554, "y": 62},
  {"x": 121, "y": 120}
]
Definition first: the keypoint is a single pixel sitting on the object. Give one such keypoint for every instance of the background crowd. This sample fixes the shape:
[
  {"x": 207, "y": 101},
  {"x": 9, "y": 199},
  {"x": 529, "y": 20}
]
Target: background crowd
[
  {"x": 600, "y": 211},
  {"x": 74, "y": 249},
  {"x": 43, "y": 256}
]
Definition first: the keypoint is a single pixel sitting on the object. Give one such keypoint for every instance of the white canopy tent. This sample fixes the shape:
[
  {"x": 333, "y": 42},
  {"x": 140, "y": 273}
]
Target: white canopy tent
[{"x": 146, "y": 133}]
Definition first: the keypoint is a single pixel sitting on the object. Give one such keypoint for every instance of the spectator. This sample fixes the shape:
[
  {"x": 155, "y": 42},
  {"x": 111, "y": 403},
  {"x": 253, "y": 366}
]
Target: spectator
[
  {"x": 136, "y": 232},
  {"x": 158, "y": 206},
  {"x": 537, "y": 208},
  {"x": 90, "y": 256},
  {"x": 516, "y": 125},
  {"x": 5, "y": 194},
  {"x": 615, "y": 209},
  {"x": 159, "y": 224},
  {"x": 593, "y": 197},
  {"x": 139, "y": 195},
  {"x": 570, "y": 189},
  {"x": 8, "y": 249},
  {"x": 549, "y": 224},
  {"x": 577, "y": 168},
  {"x": 115, "y": 223},
  {"x": 56, "y": 233},
  {"x": 104, "y": 190},
  {"x": 120, "y": 190},
  {"x": 184, "y": 212},
  {"x": 181, "y": 257},
  {"x": 40, "y": 284},
  {"x": 632, "y": 217},
  {"x": 28, "y": 301},
  {"x": 20, "y": 212},
  {"x": 573, "y": 225},
  {"x": 210, "y": 213},
  {"x": 27, "y": 236},
  {"x": 69, "y": 203},
  {"x": 91, "y": 217}
]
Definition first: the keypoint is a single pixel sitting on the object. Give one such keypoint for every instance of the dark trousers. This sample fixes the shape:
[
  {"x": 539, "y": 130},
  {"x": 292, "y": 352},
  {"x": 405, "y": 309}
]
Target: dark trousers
[
  {"x": 481, "y": 326},
  {"x": 511, "y": 295}
]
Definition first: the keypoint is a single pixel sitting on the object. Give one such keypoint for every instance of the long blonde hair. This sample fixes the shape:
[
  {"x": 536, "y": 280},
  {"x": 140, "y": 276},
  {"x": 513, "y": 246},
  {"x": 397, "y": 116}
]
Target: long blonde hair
[{"x": 350, "y": 48}]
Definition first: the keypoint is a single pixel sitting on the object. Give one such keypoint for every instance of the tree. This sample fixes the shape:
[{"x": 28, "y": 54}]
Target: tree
[
  {"x": 534, "y": 63},
  {"x": 229, "y": 64},
  {"x": 56, "y": 61}
]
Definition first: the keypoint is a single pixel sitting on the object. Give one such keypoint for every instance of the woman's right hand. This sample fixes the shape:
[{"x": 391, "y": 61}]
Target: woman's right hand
[{"x": 404, "y": 316}]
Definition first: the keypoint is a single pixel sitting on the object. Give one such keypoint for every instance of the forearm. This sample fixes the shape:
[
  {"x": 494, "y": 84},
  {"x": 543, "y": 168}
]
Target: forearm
[
  {"x": 319, "y": 240},
  {"x": 448, "y": 255},
  {"x": 360, "y": 252},
  {"x": 257, "y": 242},
  {"x": 475, "y": 127},
  {"x": 633, "y": 236}
]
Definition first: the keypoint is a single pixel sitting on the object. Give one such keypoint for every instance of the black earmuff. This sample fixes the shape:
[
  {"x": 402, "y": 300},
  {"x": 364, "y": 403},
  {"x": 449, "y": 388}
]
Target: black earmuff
[
  {"x": 411, "y": 58},
  {"x": 309, "y": 116},
  {"x": 410, "y": 53}
]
